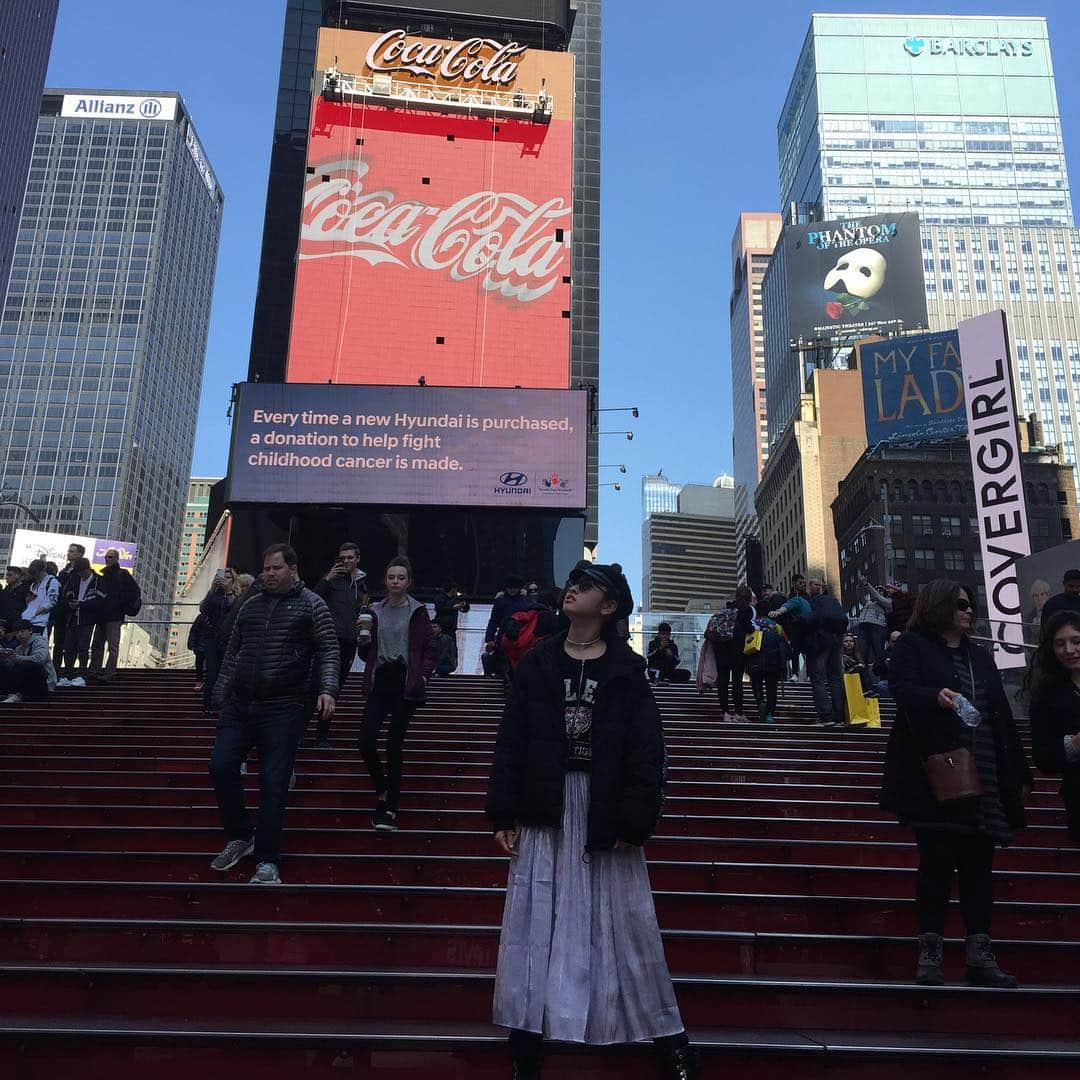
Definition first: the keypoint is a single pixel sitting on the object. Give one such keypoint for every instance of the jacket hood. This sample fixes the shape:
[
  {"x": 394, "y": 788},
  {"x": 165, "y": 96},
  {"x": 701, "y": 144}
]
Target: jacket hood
[{"x": 414, "y": 606}]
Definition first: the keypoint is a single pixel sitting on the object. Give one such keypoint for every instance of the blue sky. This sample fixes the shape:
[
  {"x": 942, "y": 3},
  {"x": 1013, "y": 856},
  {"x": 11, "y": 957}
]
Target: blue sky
[{"x": 684, "y": 152}]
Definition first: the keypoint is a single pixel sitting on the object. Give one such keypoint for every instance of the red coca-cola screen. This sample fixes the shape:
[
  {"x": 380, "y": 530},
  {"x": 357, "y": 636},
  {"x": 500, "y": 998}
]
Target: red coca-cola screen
[{"x": 434, "y": 245}]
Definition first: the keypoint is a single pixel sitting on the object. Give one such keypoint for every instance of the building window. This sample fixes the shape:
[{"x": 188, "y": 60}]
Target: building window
[
  {"x": 924, "y": 559},
  {"x": 954, "y": 561},
  {"x": 899, "y": 557},
  {"x": 950, "y": 526},
  {"x": 922, "y": 525}
]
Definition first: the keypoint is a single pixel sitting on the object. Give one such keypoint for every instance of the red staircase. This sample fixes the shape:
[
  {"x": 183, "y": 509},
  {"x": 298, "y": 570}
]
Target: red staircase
[{"x": 784, "y": 894}]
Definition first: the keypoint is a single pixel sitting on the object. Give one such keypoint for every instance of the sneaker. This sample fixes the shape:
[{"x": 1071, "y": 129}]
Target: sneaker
[
  {"x": 741, "y": 718},
  {"x": 78, "y": 681},
  {"x": 768, "y": 719},
  {"x": 63, "y": 682},
  {"x": 266, "y": 873},
  {"x": 384, "y": 820},
  {"x": 323, "y": 744},
  {"x": 232, "y": 853},
  {"x": 13, "y": 699},
  {"x": 292, "y": 780},
  {"x": 727, "y": 718},
  {"x": 824, "y": 723}
]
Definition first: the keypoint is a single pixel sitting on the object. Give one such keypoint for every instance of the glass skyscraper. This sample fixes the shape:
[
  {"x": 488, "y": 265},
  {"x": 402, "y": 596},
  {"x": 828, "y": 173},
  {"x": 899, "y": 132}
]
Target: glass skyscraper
[
  {"x": 26, "y": 33},
  {"x": 956, "y": 118},
  {"x": 103, "y": 332}
]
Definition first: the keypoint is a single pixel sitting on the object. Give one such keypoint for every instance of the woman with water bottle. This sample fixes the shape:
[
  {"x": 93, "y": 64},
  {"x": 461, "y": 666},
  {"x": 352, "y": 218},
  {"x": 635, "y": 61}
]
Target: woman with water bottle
[{"x": 955, "y": 773}]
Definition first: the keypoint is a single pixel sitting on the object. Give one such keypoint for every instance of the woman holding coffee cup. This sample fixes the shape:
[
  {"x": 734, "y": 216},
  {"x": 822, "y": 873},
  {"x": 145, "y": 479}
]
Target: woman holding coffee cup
[{"x": 396, "y": 642}]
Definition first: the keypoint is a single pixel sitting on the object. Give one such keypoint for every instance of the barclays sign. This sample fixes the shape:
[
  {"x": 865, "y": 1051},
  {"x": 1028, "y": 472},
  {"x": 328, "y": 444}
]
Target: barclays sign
[{"x": 1006, "y": 47}]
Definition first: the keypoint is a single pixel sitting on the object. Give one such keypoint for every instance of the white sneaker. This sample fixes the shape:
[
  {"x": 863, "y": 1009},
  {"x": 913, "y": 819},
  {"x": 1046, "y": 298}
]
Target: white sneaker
[
  {"x": 63, "y": 682},
  {"x": 78, "y": 681},
  {"x": 727, "y": 718},
  {"x": 13, "y": 699},
  {"x": 266, "y": 873}
]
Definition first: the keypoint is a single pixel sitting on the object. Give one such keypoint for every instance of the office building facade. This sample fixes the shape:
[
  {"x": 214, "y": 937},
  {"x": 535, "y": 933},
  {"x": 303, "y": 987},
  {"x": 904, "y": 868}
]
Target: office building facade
[
  {"x": 925, "y": 497},
  {"x": 659, "y": 495},
  {"x": 544, "y": 28},
  {"x": 752, "y": 247},
  {"x": 193, "y": 536},
  {"x": 26, "y": 33},
  {"x": 688, "y": 556},
  {"x": 103, "y": 333}
]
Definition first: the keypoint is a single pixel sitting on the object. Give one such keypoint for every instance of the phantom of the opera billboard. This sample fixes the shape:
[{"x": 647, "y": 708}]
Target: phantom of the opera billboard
[
  {"x": 435, "y": 241},
  {"x": 849, "y": 279}
]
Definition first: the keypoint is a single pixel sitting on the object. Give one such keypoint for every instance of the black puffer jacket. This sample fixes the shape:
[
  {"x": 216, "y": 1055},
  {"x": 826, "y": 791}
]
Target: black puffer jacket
[
  {"x": 920, "y": 667},
  {"x": 626, "y": 791},
  {"x": 282, "y": 648}
]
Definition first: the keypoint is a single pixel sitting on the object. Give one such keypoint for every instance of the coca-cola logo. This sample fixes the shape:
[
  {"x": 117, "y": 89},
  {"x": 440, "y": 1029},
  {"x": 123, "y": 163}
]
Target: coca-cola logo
[
  {"x": 473, "y": 60},
  {"x": 508, "y": 240}
]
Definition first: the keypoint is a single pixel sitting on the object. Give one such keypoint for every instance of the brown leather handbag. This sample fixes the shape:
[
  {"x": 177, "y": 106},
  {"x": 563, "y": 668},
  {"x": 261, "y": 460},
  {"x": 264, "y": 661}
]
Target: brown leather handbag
[{"x": 953, "y": 776}]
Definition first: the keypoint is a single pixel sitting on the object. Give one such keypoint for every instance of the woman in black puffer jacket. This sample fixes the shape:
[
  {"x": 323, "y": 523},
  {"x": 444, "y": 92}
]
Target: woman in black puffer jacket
[
  {"x": 933, "y": 664},
  {"x": 577, "y": 787}
]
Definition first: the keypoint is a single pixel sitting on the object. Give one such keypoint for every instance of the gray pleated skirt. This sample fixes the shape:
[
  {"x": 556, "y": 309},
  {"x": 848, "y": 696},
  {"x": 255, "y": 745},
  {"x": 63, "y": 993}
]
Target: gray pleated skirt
[{"x": 580, "y": 957}]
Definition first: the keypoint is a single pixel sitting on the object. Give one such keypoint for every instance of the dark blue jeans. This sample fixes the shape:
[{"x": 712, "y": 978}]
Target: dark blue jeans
[
  {"x": 826, "y": 667},
  {"x": 275, "y": 728},
  {"x": 871, "y": 643}
]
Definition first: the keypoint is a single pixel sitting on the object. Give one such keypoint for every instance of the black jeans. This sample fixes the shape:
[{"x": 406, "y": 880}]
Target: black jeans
[
  {"x": 826, "y": 668},
  {"x": 275, "y": 728},
  {"x": 765, "y": 686},
  {"x": 387, "y": 698},
  {"x": 730, "y": 668},
  {"x": 77, "y": 647},
  {"x": 971, "y": 858},
  {"x": 211, "y": 667},
  {"x": 24, "y": 677}
]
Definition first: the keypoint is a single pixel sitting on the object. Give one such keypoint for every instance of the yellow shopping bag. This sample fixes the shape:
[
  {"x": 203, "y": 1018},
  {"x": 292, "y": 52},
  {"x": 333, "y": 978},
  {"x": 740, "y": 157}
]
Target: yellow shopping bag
[
  {"x": 873, "y": 711},
  {"x": 752, "y": 645},
  {"x": 858, "y": 713}
]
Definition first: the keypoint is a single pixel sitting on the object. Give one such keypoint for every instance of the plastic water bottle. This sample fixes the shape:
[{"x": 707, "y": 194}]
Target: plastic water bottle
[{"x": 966, "y": 711}]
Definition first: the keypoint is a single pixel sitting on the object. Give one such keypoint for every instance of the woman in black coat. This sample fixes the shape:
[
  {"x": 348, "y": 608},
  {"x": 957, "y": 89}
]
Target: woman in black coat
[
  {"x": 577, "y": 787},
  {"x": 932, "y": 665},
  {"x": 1054, "y": 687}
]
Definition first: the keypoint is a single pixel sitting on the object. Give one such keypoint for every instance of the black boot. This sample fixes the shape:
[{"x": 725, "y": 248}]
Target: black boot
[
  {"x": 527, "y": 1050},
  {"x": 931, "y": 954},
  {"x": 982, "y": 965},
  {"x": 678, "y": 1059}
]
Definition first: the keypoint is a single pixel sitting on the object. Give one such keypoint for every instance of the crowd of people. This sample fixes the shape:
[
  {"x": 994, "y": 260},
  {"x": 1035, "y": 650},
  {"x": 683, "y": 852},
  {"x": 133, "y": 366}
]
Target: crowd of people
[
  {"x": 579, "y": 764},
  {"x": 61, "y": 627}
]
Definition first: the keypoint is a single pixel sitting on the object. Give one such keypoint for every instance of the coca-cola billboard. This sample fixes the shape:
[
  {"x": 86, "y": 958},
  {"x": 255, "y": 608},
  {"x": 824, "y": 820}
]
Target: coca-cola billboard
[{"x": 434, "y": 246}]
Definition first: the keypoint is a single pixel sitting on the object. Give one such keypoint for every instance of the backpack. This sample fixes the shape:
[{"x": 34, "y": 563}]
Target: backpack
[
  {"x": 721, "y": 626},
  {"x": 131, "y": 602},
  {"x": 519, "y": 634},
  {"x": 831, "y": 617}
]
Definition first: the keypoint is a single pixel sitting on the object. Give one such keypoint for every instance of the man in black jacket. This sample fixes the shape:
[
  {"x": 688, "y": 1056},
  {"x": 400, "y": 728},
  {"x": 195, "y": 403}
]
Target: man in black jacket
[
  {"x": 1066, "y": 600},
  {"x": 344, "y": 588},
  {"x": 282, "y": 653},
  {"x": 13, "y": 599},
  {"x": 122, "y": 598},
  {"x": 60, "y": 615}
]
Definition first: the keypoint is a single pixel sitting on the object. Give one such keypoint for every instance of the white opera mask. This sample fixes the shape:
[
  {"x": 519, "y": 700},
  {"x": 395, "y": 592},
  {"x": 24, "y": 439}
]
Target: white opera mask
[{"x": 860, "y": 272}]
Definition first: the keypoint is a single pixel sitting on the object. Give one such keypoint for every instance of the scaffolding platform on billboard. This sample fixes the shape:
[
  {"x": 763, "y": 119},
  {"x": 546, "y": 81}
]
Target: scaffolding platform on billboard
[{"x": 384, "y": 90}]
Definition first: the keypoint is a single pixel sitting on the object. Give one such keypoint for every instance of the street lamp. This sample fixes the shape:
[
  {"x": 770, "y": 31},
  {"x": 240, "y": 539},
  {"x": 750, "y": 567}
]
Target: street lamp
[
  {"x": 621, "y": 468},
  {"x": 10, "y": 497},
  {"x": 617, "y": 487},
  {"x": 632, "y": 410},
  {"x": 629, "y": 435}
]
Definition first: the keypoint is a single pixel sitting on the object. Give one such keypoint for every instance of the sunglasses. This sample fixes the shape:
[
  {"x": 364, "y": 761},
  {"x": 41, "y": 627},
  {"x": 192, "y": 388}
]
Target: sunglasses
[
  {"x": 532, "y": 590},
  {"x": 964, "y": 605},
  {"x": 581, "y": 582}
]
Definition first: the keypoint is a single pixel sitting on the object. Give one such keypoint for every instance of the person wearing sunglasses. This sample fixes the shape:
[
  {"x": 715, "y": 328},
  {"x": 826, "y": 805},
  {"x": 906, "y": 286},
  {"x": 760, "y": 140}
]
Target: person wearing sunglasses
[
  {"x": 937, "y": 673},
  {"x": 576, "y": 790}
]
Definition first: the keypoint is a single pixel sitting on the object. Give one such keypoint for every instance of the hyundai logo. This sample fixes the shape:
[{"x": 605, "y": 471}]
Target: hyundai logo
[
  {"x": 513, "y": 479},
  {"x": 150, "y": 108}
]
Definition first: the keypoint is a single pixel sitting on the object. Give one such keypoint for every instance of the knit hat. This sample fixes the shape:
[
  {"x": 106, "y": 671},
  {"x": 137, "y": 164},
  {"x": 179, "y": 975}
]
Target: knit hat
[{"x": 612, "y": 580}]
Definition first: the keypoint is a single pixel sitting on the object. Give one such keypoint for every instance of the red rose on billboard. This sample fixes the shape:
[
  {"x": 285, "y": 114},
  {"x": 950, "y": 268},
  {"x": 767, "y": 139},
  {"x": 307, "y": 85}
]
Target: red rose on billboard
[{"x": 834, "y": 309}]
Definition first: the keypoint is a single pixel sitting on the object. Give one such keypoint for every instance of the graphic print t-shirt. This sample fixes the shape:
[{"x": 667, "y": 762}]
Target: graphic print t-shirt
[{"x": 579, "y": 697}]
